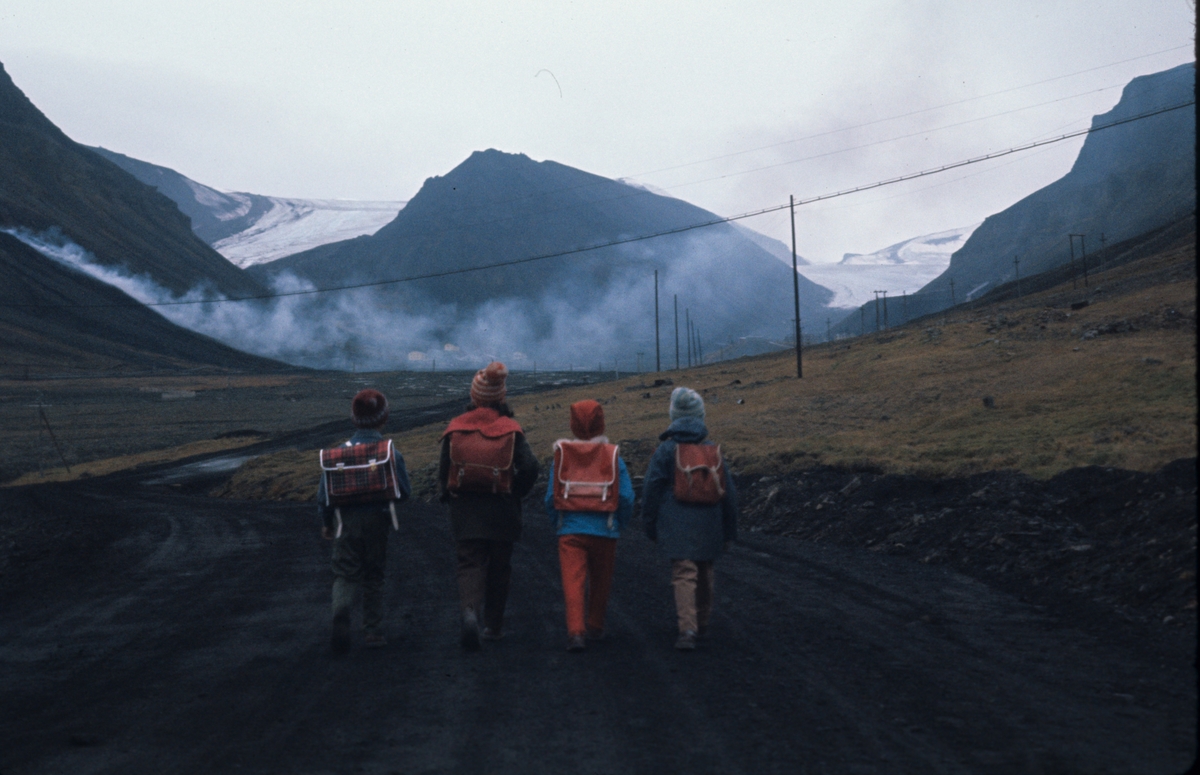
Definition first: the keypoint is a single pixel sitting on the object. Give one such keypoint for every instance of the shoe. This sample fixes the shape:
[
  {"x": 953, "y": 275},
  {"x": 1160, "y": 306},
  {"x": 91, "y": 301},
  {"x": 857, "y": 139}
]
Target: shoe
[
  {"x": 374, "y": 640},
  {"x": 595, "y": 634},
  {"x": 470, "y": 630},
  {"x": 490, "y": 633},
  {"x": 686, "y": 641},
  {"x": 576, "y": 643},
  {"x": 339, "y": 641}
]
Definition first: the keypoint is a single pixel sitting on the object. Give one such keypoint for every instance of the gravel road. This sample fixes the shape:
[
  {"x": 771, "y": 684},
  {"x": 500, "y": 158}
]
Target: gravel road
[{"x": 144, "y": 629}]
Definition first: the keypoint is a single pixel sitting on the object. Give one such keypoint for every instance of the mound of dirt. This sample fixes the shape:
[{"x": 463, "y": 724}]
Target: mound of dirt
[{"x": 1124, "y": 540}]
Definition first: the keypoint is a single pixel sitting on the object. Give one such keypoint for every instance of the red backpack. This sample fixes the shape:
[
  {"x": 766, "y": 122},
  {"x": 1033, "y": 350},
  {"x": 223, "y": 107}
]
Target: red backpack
[
  {"x": 699, "y": 474},
  {"x": 360, "y": 473},
  {"x": 481, "y": 463},
  {"x": 585, "y": 476}
]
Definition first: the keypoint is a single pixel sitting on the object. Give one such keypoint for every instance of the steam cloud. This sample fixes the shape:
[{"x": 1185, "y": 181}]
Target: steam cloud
[{"x": 368, "y": 329}]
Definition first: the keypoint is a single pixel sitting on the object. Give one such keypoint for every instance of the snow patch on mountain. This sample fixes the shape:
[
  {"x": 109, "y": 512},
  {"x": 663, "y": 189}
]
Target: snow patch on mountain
[
  {"x": 295, "y": 225},
  {"x": 905, "y": 267},
  {"x": 932, "y": 249}
]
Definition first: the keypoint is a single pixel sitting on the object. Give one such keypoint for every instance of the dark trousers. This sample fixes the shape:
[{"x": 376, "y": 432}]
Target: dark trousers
[
  {"x": 484, "y": 572},
  {"x": 359, "y": 556}
]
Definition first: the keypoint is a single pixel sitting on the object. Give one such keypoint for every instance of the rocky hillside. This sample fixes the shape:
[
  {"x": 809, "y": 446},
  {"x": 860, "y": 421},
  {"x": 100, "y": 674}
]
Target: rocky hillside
[
  {"x": 251, "y": 229},
  {"x": 1126, "y": 181},
  {"x": 56, "y": 320},
  {"x": 47, "y": 181}
]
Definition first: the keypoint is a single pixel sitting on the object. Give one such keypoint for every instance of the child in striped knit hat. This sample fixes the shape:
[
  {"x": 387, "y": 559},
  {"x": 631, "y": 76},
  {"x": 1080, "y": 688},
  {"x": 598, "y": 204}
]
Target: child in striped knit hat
[{"x": 486, "y": 468}]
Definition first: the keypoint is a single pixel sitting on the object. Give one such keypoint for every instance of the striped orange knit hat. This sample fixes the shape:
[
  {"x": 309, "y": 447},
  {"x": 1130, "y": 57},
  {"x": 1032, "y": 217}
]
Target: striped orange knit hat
[{"x": 488, "y": 386}]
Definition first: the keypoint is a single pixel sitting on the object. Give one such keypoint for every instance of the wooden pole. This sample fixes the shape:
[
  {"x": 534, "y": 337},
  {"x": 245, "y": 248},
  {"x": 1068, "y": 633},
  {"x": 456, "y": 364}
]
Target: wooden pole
[
  {"x": 657, "y": 354},
  {"x": 676, "y": 331},
  {"x": 687, "y": 328},
  {"x": 796, "y": 290}
]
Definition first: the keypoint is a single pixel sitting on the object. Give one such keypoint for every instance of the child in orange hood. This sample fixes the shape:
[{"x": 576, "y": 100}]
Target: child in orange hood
[{"x": 590, "y": 497}]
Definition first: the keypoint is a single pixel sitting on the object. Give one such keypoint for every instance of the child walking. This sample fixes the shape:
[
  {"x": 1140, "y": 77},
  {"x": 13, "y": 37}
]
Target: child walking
[
  {"x": 361, "y": 481},
  {"x": 486, "y": 468},
  {"x": 690, "y": 511},
  {"x": 590, "y": 498}
]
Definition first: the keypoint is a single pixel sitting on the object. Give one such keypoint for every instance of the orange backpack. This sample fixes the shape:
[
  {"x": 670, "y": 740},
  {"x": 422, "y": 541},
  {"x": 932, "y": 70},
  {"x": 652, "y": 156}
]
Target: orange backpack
[
  {"x": 481, "y": 463},
  {"x": 699, "y": 474},
  {"x": 585, "y": 476}
]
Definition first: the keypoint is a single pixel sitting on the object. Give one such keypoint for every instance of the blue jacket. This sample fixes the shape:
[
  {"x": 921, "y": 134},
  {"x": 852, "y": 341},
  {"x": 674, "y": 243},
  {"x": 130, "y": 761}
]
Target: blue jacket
[
  {"x": 685, "y": 531},
  {"x": 365, "y": 436},
  {"x": 594, "y": 523}
]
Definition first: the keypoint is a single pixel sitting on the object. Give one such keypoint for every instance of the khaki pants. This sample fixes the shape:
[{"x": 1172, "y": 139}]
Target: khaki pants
[
  {"x": 693, "y": 583},
  {"x": 484, "y": 573},
  {"x": 359, "y": 555}
]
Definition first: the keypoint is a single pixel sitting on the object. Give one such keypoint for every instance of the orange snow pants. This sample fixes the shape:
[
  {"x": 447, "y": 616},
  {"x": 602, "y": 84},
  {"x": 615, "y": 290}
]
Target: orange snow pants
[{"x": 587, "y": 570}]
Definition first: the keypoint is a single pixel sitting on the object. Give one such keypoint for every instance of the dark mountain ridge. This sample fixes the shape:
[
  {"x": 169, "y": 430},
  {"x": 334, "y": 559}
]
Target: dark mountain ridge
[
  {"x": 48, "y": 181},
  {"x": 497, "y": 207},
  {"x": 55, "y": 318},
  {"x": 214, "y": 215},
  {"x": 1127, "y": 180}
]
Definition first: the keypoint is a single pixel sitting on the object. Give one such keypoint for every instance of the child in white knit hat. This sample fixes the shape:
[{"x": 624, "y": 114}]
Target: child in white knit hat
[{"x": 690, "y": 511}]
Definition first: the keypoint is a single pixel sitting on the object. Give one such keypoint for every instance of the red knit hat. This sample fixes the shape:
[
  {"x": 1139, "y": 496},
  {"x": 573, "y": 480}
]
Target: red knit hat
[
  {"x": 369, "y": 409},
  {"x": 488, "y": 386},
  {"x": 587, "y": 419}
]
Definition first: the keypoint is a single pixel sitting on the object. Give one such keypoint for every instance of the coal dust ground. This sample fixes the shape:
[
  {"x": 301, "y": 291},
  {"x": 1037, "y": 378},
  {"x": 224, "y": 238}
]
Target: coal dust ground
[{"x": 149, "y": 629}]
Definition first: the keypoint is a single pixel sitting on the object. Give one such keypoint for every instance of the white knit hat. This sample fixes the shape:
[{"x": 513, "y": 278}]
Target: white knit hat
[{"x": 686, "y": 402}]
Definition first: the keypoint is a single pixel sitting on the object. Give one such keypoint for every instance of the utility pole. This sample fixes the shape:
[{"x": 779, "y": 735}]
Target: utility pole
[
  {"x": 877, "y": 310},
  {"x": 657, "y": 356},
  {"x": 1071, "y": 240},
  {"x": 796, "y": 290},
  {"x": 905, "y": 304},
  {"x": 677, "y": 332},
  {"x": 61, "y": 456},
  {"x": 862, "y": 320},
  {"x": 952, "y": 301},
  {"x": 699, "y": 347},
  {"x": 687, "y": 319},
  {"x": 885, "y": 320},
  {"x": 1103, "y": 257},
  {"x": 1017, "y": 269},
  {"x": 1083, "y": 250}
]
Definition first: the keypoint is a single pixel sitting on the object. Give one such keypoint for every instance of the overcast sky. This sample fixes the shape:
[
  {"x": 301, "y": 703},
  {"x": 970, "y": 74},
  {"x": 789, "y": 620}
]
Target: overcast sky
[{"x": 731, "y": 106}]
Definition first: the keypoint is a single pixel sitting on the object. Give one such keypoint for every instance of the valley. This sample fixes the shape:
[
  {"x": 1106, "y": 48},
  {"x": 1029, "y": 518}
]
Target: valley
[{"x": 894, "y": 602}]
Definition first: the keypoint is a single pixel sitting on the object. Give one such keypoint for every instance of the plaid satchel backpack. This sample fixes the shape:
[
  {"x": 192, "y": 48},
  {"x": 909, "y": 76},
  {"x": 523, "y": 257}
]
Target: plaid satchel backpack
[{"x": 360, "y": 473}]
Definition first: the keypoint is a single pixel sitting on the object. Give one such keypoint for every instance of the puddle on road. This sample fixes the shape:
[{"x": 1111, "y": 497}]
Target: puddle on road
[{"x": 204, "y": 468}]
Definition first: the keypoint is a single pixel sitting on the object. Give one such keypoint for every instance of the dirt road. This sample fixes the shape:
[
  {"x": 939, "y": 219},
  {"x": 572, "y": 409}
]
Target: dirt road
[{"x": 148, "y": 630}]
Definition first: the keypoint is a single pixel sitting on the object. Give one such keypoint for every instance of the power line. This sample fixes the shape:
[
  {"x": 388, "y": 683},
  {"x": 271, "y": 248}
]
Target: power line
[
  {"x": 640, "y": 238},
  {"x": 909, "y": 114},
  {"x": 511, "y": 200}
]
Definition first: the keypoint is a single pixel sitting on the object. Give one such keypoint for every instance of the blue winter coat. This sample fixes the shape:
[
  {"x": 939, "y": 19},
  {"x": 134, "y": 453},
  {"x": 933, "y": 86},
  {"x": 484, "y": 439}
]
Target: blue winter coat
[
  {"x": 594, "y": 523},
  {"x": 365, "y": 436},
  {"x": 685, "y": 531}
]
